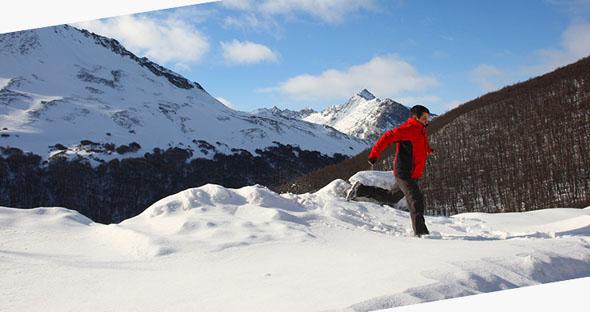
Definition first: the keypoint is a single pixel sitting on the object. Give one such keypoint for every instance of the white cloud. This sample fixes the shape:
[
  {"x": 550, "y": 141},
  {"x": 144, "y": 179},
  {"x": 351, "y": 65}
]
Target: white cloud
[
  {"x": 246, "y": 52},
  {"x": 226, "y": 102},
  {"x": 246, "y": 21},
  {"x": 487, "y": 76},
  {"x": 238, "y": 4},
  {"x": 331, "y": 11},
  {"x": 575, "y": 44},
  {"x": 251, "y": 21},
  {"x": 384, "y": 75},
  {"x": 164, "y": 40}
]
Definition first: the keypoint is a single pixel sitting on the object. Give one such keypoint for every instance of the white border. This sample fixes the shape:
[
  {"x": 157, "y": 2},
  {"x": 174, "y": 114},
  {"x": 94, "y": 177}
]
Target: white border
[
  {"x": 568, "y": 295},
  {"x": 28, "y": 14}
]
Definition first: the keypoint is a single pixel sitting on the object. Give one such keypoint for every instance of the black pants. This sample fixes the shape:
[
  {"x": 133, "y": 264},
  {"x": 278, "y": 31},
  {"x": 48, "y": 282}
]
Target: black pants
[{"x": 402, "y": 187}]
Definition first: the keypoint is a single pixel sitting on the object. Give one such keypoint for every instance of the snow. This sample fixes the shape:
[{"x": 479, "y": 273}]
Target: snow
[
  {"x": 56, "y": 81},
  {"x": 250, "y": 249},
  {"x": 364, "y": 116},
  {"x": 382, "y": 179},
  {"x": 4, "y": 83}
]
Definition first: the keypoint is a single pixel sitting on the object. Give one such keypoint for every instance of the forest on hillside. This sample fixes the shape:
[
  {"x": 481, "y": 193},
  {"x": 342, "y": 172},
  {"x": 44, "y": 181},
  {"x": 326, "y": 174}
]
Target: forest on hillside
[{"x": 121, "y": 189}]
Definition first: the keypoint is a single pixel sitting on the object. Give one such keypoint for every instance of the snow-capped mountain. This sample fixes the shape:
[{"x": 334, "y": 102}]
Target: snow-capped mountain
[
  {"x": 363, "y": 116},
  {"x": 284, "y": 113},
  {"x": 66, "y": 91}
]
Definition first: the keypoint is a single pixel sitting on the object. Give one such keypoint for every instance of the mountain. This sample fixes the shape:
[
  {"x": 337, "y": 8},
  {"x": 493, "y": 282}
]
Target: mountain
[
  {"x": 66, "y": 92},
  {"x": 76, "y": 106},
  {"x": 251, "y": 249},
  {"x": 363, "y": 116},
  {"x": 523, "y": 147},
  {"x": 284, "y": 113}
]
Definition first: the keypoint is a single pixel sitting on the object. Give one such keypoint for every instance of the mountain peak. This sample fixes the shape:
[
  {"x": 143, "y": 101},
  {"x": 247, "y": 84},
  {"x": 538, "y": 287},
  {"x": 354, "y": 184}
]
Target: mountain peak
[
  {"x": 365, "y": 94},
  {"x": 128, "y": 100}
]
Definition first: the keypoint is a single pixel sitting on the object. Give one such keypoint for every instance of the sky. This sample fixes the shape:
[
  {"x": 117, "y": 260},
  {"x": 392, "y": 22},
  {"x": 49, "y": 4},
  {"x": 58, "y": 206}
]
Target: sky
[{"x": 299, "y": 54}]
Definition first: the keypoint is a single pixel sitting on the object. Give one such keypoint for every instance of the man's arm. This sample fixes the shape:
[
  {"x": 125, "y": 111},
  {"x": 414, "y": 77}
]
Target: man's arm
[{"x": 389, "y": 137}]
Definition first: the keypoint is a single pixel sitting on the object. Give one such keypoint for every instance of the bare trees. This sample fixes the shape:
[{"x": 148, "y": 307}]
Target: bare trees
[{"x": 524, "y": 147}]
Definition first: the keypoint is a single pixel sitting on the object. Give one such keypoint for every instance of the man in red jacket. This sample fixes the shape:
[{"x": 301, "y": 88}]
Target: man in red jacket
[{"x": 408, "y": 166}]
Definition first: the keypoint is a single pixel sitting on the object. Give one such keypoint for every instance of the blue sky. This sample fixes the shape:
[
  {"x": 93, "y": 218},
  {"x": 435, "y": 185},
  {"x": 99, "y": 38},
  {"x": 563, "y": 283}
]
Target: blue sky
[{"x": 302, "y": 53}]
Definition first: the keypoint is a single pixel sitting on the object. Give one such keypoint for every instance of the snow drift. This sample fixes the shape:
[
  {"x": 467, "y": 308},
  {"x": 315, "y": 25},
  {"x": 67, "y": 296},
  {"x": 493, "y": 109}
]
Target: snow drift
[{"x": 215, "y": 248}]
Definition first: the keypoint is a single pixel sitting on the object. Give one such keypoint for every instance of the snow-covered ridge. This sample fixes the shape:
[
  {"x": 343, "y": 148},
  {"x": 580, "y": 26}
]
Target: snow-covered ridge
[
  {"x": 259, "y": 247},
  {"x": 363, "y": 116},
  {"x": 158, "y": 70},
  {"x": 61, "y": 86},
  {"x": 284, "y": 113}
]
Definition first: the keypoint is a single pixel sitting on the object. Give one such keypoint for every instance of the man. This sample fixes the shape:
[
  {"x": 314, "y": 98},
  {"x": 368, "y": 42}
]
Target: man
[{"x": 408, "y": 166}]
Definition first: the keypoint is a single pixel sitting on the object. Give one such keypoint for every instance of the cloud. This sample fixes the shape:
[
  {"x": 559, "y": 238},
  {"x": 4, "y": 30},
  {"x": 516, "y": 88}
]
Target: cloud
[
  {"x": 575, "y": 44},
  {"x": 330, "y": 11},
  {"x": 226, "y": 102},
  {"x": 247, "y": 52},
  {"x": 246, "y": 21},
  {"x": 487, "y": 76},
  {"x": 239, "y": 4},
  {"x": 387, "y": 75},
  {"x": 164, "y": 40}
]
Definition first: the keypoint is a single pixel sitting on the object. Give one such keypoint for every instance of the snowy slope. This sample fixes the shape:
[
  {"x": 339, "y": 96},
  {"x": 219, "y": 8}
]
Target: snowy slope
[
  {"x": 62, "y": 85},
  {"x": 250, "y": 249},
  {"x": 284, "y": 113}
]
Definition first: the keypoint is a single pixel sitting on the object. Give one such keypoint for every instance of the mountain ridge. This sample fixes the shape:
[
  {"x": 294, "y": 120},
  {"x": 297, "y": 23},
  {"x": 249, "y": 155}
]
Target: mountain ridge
[
  {"x": 57, "y": 81},
  {"x": 363, "y": 115}
]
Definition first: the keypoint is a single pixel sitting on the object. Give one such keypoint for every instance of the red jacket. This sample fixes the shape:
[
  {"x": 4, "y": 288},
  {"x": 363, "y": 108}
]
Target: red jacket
[{"x": 410, "y": 152}]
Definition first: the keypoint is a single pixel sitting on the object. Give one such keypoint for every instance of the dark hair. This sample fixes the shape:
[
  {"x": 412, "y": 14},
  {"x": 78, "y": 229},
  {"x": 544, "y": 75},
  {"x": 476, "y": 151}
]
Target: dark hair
[{"x": 418, "y": 110}]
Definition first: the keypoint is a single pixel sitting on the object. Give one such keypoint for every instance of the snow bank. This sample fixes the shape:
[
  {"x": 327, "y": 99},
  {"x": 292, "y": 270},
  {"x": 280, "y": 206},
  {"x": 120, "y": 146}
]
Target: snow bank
[
  {"x": 214, "y": 218},
  {"x": 382, "y": 179},
  {"x": 252, "y": 249}
]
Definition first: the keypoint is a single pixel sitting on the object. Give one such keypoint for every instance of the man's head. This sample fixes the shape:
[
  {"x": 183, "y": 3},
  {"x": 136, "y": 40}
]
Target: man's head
[{"x": 421, "y": 114}]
